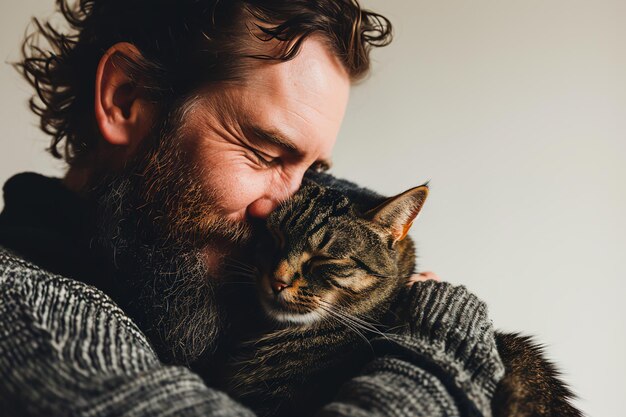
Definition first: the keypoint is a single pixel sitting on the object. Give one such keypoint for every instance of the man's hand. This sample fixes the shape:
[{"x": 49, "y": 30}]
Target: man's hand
[{"x": 423, "y": 276}]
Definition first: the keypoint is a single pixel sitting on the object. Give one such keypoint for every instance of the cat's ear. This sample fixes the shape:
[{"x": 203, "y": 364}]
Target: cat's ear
[{"x": 396, "y": 214}]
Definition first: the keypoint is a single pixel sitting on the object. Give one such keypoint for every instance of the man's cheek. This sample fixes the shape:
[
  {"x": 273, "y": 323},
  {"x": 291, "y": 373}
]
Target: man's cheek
[{"x": 238, "y": 191}]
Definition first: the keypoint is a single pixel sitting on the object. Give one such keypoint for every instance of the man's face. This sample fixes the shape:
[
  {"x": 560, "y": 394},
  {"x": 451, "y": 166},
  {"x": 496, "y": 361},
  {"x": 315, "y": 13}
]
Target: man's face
[
  {"x": 257, "y": 138},
  {"x": 254, "y": 140},
  {"x": 232, "y": 155}
]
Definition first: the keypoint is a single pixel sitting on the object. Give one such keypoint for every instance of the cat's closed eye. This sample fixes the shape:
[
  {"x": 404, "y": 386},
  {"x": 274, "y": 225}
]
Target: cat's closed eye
[
  {"x": 334, "y": 270},
  {"x": 323, "y": 266}
]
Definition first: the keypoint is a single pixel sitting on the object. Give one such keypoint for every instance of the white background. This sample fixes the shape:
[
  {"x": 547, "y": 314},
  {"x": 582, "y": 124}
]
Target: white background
[{"x": 516, "y": 112}]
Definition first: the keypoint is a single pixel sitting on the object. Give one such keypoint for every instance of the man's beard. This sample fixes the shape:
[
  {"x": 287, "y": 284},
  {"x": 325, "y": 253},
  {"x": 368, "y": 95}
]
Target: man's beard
[{"x": 158, "y": 222}]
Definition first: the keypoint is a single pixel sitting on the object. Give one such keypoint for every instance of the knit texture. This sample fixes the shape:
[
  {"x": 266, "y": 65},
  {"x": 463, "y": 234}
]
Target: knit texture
[
  {"x": 393, "y": 387},
  {"x": 66, "y": 349},
  {"x": 447, "y": 331}
]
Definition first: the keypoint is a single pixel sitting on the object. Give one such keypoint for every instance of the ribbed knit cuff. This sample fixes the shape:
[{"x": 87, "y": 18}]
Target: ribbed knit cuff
[
  {"x": 392, "y": 387},
  {"x": 446, "y": 330}
]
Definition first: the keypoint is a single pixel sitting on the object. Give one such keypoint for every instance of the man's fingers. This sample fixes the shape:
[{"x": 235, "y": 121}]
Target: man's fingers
[{"x": 423, "y": 276}]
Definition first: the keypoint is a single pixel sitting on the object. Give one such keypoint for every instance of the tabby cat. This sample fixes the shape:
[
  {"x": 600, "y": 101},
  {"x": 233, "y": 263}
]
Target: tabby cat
[{"x": 337, "y": 257}]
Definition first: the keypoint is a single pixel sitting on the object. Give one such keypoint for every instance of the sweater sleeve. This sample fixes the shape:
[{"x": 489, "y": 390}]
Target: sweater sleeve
[
  {"x": 66, "y": 349},
  {"x": 446, "y": 345}
]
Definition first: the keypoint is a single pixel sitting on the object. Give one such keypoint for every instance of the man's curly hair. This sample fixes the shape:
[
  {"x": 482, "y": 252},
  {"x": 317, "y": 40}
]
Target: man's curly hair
[{"x": 184, "y": 43}]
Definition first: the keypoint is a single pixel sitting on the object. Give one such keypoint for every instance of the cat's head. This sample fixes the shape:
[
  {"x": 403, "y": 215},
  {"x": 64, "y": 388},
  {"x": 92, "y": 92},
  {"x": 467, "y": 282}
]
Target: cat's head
[{"x": 330, "y": 259}]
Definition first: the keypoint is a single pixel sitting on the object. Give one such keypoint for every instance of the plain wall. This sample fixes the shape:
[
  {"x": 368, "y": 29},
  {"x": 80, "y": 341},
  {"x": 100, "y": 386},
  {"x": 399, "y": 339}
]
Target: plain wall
[{"x": 516, "y": 113}]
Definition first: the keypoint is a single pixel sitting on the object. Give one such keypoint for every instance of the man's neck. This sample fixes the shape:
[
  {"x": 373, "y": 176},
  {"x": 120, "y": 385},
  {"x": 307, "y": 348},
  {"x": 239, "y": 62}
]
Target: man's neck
[
  {"x": 54, "y": 227},
  {"x": 86, "y": 171},
  {"x": 76, "y": 179}
]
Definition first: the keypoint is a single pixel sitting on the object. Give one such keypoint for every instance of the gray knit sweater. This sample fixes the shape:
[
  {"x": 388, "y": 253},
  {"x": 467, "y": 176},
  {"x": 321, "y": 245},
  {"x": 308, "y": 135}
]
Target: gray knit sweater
[{"x": 67, "y": 349}]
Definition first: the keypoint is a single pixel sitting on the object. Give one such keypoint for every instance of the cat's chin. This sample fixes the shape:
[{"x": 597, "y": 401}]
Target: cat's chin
[{"x": 285, "y": 317}]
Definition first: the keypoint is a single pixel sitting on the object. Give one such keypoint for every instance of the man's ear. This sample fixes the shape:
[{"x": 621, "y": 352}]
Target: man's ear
[
  {"x": 123, "y": 113},
  {"x": 396, "y": 214}
]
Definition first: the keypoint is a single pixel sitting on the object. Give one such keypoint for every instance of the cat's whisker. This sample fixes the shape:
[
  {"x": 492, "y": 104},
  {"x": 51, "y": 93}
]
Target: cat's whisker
[
  {"x": 360, "y": 320},
  {"x": 347, "y": 323},
  {"x": 359, "y": 325},
  {"x": 354, "y": 320},
  {"x": 239, "y": 269},
  {"x": 239, "y": 277},
  {"x": 232, "y": 262},
  {"x": 243, "y": 274},
  {"x": 353, "y": 317},
  {"x": 234, "y": 270},
  {"x": 394, "y": 328},
  {"x": 240, "y": 262}
]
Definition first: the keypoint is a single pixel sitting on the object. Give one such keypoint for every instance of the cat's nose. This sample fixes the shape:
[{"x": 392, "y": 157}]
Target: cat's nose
[{"x": 279, "y": 284}]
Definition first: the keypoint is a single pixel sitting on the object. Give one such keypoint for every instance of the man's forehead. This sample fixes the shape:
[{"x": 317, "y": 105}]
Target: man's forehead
[
  {"x": 297, "y": 105},
  {"x": 316, "y": 64},
  {"x": 307, "y": 95}
]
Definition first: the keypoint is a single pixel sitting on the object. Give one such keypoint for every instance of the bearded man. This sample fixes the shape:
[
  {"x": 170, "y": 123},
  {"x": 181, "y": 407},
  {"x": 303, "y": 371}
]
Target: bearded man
[{"x": 185, "y": 123}]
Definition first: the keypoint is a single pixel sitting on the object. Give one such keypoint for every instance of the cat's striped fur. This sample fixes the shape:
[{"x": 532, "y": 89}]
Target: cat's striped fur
[
  {"x": 336, "y": 259},
  {"x": 341, "y": 267}
]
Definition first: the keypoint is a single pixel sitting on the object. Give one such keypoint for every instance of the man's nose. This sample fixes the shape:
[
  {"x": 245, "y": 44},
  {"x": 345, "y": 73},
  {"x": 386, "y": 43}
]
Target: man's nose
[{"x": 276, "y": 194}]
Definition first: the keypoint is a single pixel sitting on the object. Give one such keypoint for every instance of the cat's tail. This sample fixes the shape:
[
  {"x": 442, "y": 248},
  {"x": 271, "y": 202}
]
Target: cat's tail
[{"x": 532, "y": 385}]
